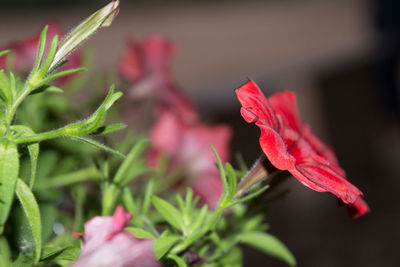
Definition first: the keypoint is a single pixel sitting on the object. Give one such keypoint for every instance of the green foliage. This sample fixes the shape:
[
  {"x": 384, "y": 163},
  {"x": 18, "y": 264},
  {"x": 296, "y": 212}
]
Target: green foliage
[
  {"x": 31, "y": 209},
  {"x": 268, "y": 244},
  {"x": 9, "y": 166}
]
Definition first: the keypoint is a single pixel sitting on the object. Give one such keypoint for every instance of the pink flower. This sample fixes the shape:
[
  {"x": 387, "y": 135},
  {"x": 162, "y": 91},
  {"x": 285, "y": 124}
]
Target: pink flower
[
  {"x": 146, "y": 65},
  {"x": 188, "y": 145},
  {"x": 24, "y": 52},
  {"x": 290, "y": 145},
  {"x": 105, "y": 243}
]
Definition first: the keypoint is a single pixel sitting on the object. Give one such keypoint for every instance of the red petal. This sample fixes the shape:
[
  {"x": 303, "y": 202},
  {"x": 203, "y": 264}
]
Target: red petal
[
  {"x": 255, "y": 107},
  {"x": 357, "y": 208}
]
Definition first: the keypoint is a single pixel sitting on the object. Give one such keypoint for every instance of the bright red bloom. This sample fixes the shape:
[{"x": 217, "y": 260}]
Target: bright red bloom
[
  {"x": 188, "y": 146},
  {"x": 105, "y": 243},
  {"x": 290, "y": 145},
  {"x": 24, "y": 52},
  {"x": 146, "y": 65}
]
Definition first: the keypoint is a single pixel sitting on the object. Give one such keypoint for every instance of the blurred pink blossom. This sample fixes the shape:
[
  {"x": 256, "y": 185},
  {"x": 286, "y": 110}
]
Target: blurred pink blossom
[
  {"x": 146, "y": 66},
  {"x": 188, "y": 145},
  {"x": 105, "y": 243}
]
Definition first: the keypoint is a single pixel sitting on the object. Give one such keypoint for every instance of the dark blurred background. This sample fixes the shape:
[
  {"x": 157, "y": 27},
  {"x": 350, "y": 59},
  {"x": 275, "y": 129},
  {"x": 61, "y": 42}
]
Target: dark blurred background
[{"x": 340, "y": 57}]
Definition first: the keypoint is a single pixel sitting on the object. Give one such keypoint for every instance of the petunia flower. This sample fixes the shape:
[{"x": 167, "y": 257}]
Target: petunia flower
[
  {"x": 24, "y": 52},
  {"x": 289, "y": 144},
  {"x": 146, "y": 66},
  {"x": 188, "y": 145},
  {"x": 105, "y": 243}
]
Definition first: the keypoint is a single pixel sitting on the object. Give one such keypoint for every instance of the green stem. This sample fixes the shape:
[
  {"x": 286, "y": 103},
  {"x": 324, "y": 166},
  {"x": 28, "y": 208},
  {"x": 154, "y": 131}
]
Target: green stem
[
  {"x": 13, "y": 108},
  {"x": 41, "y": 136}
]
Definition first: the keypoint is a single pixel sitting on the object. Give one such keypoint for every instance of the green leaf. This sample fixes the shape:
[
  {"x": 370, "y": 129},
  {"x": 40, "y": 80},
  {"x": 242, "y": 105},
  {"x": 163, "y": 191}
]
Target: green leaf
[
  {"x": 9, "y": 167},
  {"x": 130, "y": 159},
  {"x": 41, "y": 46},
  {"x": 23, "y": 260},
  {"x": 178, "y": 260},
  {"x": 67, "y": 253},
  {"x": 251, "y": 195},
  {"x": 4, "y": 52},
  {"x": 50, "y": 56},
  {"x": 109, "y": 128},
  {"x": 129, "y": 202},
  {"x": 33, "y": 150},
  {"x": 32, "y": 212},
  {"x": 139, "y": 233},
  {"x": 5, "y": 91},
  {"x": 269, "y": 245},
  {"x": 147, "y": 196},
  {"x": 163, "y": 244},
  {"x": 98, "y": 145},
  {"x": 232, "y": 180},
  {"x": 222, "y": 173},
  {"x": 62, "y": 73},
  {"x": 5, "y": 252},
  {"x": 200, "y": 218},
  {"x": 45, "y": 88},
  {"x": 168, "y": 212}
]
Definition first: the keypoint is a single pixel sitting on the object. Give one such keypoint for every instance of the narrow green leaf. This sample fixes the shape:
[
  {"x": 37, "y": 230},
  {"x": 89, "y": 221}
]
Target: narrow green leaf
[
  {"x": 251, "y": 195},
  {"x": 62, "y": 73},
  {"x": 32, "y": 212},
  {"x": 4, "y": 52},
  {"x": 169, "y": 212},
  {"x": 50, "y": 56},
  {"x": 47, "y": 89},
  {"x": 147, "y": 197},
  {"x": 98, "y": 145},
  {"x": 221, "y": 172},
  {"x": 139, "y": 233},
  {"x": 5, "y": 91},
  {"x": 5, "y": 252},
  {"x": 33, "y": 150},
  {"x": 269, "y": 245},
  {"x": 129, "y": 202},
  {"x": 13, "y": 85},
  {"x": 9, "y": 167},
  {"x": 178, "y": 260},
  {"x": 231, "y": 180},
  {"x": 67, "y": 253},
  {"x": 200, "y": 218},
  {"x": 130, "y": 159},
  {"x": 163, "y": 244},
  {"x": 109, "y": 128},
  {"x": 41, "y": 46}
]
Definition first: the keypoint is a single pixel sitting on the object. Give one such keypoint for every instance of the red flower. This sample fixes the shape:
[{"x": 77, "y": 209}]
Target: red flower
[
  {"x": 146, "y": 65},
  {"x": 24, "y": 52},
  {"x": 187, "y": 145},
  {"x": 290, "y": 145},
  {"x": 105, "y": 243}
]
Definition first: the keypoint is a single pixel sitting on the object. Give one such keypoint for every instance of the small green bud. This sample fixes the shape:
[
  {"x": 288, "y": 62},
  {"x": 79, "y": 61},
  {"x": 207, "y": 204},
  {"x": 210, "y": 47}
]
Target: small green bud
[{"x": 101, "y": 18}]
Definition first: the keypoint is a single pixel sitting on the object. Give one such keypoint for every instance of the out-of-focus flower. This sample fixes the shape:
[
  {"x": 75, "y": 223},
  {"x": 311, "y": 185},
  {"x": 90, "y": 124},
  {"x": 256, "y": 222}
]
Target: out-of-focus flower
[
  {"x": 290, "y": 145},
  {"x": 105, "y": 243},
  {"x": 24, "y": 52},
  {"x": 188, "y": 145},
  {"x": 146, "y": 65}
]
